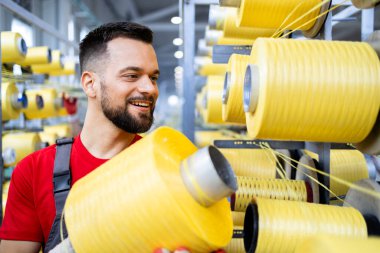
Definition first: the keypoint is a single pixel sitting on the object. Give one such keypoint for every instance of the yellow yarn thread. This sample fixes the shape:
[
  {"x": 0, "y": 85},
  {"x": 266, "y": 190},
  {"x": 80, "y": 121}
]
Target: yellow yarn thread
[
  {"x": 50, "y": 109},
  {"x": 296, "y": 101},
  {"x": 11, "y": 44},
  {"x": 232, "y": 110},
  {"x": 238, "y": 218},
  {"x": 54, "y": 65},
  {"x": 214, "y": 99},
  {"x": 235, "y": 41},
  {"x": 325, "y": 244},
  {"x": 290, "y": 222},
  {"x": 251, "y": 162},
  {"x": 134, "y": 219},
  {"x": 8, "y": 92},
  {"x": 249, "y": 187},
  {"x": 348, "y": 165},
  {"x": 23, "y": 144},
  {"x": 36, "y": 55},
  {"x": 230, "y": 30},
  {"x": 255, "y": 13}
]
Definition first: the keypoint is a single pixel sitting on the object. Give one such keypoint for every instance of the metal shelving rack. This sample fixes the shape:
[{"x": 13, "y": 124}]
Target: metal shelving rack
[
  {"x": 188, "y": 110},
  {"x": 44, "y": 26}
]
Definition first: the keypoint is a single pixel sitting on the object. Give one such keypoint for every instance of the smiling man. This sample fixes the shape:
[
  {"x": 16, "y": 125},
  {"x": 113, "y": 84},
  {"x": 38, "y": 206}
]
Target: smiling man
[{"x": 119, "y": 74}]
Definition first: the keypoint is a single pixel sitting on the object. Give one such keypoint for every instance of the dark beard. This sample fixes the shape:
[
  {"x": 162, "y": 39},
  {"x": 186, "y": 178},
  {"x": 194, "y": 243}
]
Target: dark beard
[{"x": 124, "y": 120}]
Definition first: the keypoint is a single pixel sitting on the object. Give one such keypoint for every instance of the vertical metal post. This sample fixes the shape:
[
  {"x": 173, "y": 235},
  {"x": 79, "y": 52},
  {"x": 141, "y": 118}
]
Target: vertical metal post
[
  {"x": 327, "y": 30},
  {"x": 188, "y": 107},
  {"x": 324, "y": 161},
  {"x": 368, "y": 19}
]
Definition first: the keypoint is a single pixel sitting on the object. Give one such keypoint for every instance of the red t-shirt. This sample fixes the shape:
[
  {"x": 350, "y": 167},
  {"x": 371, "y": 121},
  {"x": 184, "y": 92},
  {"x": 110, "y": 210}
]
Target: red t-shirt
[{"x": 30, "y": 209}]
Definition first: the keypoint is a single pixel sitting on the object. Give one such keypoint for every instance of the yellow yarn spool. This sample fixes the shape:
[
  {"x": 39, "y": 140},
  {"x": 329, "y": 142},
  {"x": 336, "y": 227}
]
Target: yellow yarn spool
[
  {"x": 13, "y": 47},
  {"x": 55, "y": 64},
  {"x": 258, "y": 163},
  {"x": 230, "y": 30},
  {"x": 234, "y": 41},
  {"x": 211, "y": 69},
  {"x": 68, "y": 69},
  {"x": 52, "y": 103},
  {"x": 348, "y": 165},
  {"x": 325, "y": 244},
  {"x": 217, "y": 15},
  {"x": 278, "y": 13},
  {"x": 214, "y": 99},
  {"x": 238, "y": 218},
  {"x": 249, "y": 187},
  {"x": 23, "y": 144},
  {"x": 288, "y": 223},
  {"x": 61, "y": 130},
  {"x": 47, "y": 137},
  {"x": 11, "y": 109},
  {"x": 136, "y": 220},
  {"x": 232, "y": 109},
  {"x": 36, "y": 55},
  {"x": 331, "y": 95}
]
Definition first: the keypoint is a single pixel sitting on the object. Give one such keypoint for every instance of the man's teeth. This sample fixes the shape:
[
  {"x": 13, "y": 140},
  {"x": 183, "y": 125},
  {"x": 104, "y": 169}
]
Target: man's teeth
[{"x": 142, "y": 104}]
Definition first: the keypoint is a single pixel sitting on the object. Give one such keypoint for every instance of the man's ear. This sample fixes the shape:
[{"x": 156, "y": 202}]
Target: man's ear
[{"x": 88, "y": 81}]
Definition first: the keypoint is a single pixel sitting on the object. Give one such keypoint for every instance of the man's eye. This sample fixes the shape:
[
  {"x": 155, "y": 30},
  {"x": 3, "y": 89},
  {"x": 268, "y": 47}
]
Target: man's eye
[
  {"x": 131, "y": 76},
  {"x": 154, "y": 78}
]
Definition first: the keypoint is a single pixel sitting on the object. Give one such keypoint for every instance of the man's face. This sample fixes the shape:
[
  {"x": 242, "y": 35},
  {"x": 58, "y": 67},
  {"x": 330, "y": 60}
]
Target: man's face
[{"x": 128, "y": 85}]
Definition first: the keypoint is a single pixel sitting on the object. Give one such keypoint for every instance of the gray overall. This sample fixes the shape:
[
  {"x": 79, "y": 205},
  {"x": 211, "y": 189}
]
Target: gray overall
[{"x": 61, "y": 183}]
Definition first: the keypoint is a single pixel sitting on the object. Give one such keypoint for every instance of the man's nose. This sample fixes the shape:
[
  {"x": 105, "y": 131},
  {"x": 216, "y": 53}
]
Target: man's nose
[{"x": 147, "y": 85}]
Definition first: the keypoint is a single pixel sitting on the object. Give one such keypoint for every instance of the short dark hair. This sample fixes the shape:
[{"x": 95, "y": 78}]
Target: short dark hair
[{"x": 95, "y": 42}]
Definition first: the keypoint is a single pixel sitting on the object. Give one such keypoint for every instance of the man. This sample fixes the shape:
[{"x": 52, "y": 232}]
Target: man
[{"x": 119, "y": 74}]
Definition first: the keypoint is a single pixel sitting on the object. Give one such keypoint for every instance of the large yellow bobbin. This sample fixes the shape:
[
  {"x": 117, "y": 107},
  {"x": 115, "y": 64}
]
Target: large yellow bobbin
[
  {"x": 332, "y": 95},
  {"x": 168, "y": 218},
  {"x": 13, "y": 47}
]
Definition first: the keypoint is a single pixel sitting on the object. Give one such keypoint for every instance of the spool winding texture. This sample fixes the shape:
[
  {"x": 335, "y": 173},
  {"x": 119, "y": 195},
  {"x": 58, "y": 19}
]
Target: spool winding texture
[
  {"x": 257, "y": 163},
  {"x": 349, "y": 165},
  {"x": 36, "y": 55},
  {"x": 314, "y": 90},
  {"x": 138, "y": 203},
  {"x": 290, "y": 222},
  {"x": 23, "y": 144},
  {"x": 324, "y": 244},
  {"x": 275, "y": 13},
  {"x": 214, "y": 99},
  {"x": 234, "y": 41},
  {"x": 54, "y": 65},
  {"x": 213, "y": 69},
  {"x": 249, "y": 188},
  {"x": 13, "y": 47},
  {"x": 230, "y": 30},
  {"x": 232, "y": 110},
  {"x": 8, "y": 92}
]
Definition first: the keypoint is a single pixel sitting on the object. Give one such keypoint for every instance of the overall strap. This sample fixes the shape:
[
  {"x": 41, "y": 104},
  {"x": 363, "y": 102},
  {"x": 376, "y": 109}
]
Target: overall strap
[{"x": 61, "y": 184}]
